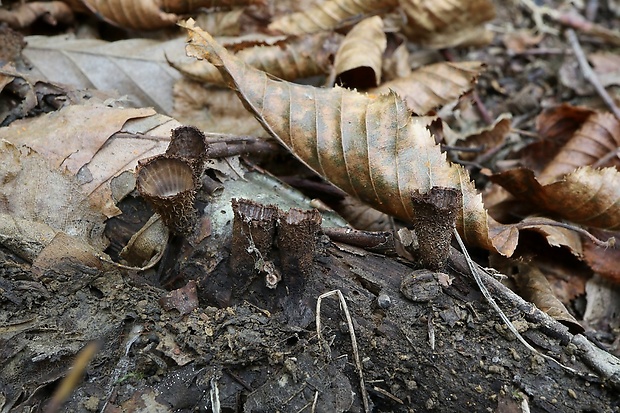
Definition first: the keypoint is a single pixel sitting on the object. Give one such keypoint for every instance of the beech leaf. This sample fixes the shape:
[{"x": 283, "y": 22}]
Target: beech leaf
[
  {"x": 329, "y": 15},
  {"x": 598, "y": 137},
  {"x": 586, "y": 196},
  {"x": 305, "y": 56},
  {"x": 135, "y": 67},
  {"x": 358, "y": 61},
  {"x": 152, "y": 14},
  {"x": 369, "y": 146},
  {"x": 445, "y": 23},
  {"x": 535, "y": 288},
  {"x": 434, "y": 85}
]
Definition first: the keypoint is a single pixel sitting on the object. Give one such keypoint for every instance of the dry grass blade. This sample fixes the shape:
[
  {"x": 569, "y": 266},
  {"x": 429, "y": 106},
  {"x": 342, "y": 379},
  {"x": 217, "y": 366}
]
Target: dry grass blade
[
  {"x": 329, "y": 15},
  {"x": 370, "y": 147},
  {"x": 434, "y": 85},
  {"x": 473, "y": 268},
  {"x": 356, "y": 356}
]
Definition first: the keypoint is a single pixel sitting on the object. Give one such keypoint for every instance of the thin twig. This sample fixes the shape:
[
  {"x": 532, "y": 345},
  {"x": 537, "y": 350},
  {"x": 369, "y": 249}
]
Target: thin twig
[
  {"x": 537, "y": 222},
  {"x": 538, "y": 13},
  {"x": 356, "y": 355},
  {"x": 570, "y": 19},
  {"x": 485, "y": 292},
  {"x": 589, "y": 74}
]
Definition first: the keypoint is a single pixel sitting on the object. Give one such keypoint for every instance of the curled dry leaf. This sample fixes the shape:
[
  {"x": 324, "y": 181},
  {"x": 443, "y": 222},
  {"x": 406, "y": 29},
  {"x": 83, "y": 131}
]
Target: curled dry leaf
[
  {"x": 519, "y": 41},
  {"x": 152, "y": 14},
  {"x": 434, "y": 85},
  {"x": 358, "y": 61},
  {"x": 487, "y": 138},
  {"x": 586, "y": 196},
  {"x": 603, "y": 261},
  {"x": 556, "y": 236},
  {"x": 132, "y": 14},
  {"x": 396, "y": 63},
  {"x": 369, "y": 146},
  {"x": 445, "y": 23},
  {"x": 221, "y": 23},
  {"x": 597, "y": 139},
  {"x": 555, "y": 127},
  {"x": 329, "y": 15},
  {"x": 305, "y": 56},
  {"x": 535, "y": 288},
  {"x": 52, "y": 12}
]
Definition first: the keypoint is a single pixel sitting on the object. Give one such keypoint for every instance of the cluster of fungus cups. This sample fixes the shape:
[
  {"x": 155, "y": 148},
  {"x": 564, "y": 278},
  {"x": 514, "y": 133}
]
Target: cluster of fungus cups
[{"x": 169, "y": 182}]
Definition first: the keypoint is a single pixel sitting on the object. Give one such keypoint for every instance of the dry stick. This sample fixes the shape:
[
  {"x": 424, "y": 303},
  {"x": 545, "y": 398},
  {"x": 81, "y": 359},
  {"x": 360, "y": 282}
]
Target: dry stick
[
  {"x": 611, "y": 241},
  {"x": 356, "y": 355},
  {"x": 570, "y": 19},
  {"x": 589, "y": 74},
  {"x": 485, "y": 292},
  {"x": 538, "y": 12}
]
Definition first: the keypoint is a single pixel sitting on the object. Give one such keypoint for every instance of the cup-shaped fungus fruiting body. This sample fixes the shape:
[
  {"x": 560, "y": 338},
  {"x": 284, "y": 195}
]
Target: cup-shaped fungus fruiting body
[
  {"x": 189, "y": 143},
  {"x": 169, "y": 184}
]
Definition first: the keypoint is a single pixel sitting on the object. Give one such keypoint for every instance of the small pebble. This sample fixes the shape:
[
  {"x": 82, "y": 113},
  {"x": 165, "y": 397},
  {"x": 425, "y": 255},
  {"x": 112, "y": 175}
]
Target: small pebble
[{"x": 384, "y": 301}]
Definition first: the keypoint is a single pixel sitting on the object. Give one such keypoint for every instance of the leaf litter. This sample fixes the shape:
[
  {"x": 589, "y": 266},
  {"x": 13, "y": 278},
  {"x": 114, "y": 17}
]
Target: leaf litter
[{"x": 189, "y": 357}]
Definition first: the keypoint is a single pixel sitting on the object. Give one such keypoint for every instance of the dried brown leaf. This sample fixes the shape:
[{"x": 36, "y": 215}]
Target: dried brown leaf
[
  {"x": 555, "y": 236},
  {"x": 605, "y": 65},
  {"x": 215, "y": 110},
  {"x": 434, "y": 85},
  {"x": 82, "y": 140},
  {"x": 152, "y": 14},
  {"x": 603, "y": 261},
  {"x": 586, "y": 196},
  {"x": 329, "y": 15},
  {"x": 371, "y": 147},
  {"x": 53, "y": 12},
  {"x": 85, "y": 129},
  {"x": 487, "y": 138},
  {"x": 132, "y": 14},
  {"x": 305, "y": 56},
  {"x": 361, "y": 216},
  {"x": 221, "y": 23},
  {"x": 446, "y": 23},
  {"x": 358, "y": 61},
  {"x": 135, "y": 67},
  {"x": 555, "y": 127},
  {"x": 396, "y": 63},
  {"x": 33, "y": 192},
  {"x": 535, "y": 288},
  {"x": 519, "y": 41},
  {"x": 597, "y": 138}
]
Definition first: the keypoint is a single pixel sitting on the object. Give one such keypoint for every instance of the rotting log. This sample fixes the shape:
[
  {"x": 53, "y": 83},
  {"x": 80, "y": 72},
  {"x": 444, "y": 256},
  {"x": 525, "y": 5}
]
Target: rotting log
[{"x": 445, "y": 351}]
